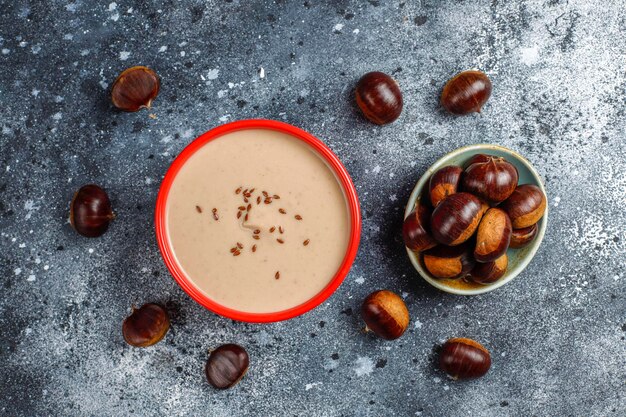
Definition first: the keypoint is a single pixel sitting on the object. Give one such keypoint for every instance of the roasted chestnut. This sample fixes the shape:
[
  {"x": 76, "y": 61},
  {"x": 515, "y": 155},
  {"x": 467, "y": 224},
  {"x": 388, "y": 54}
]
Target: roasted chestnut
[
  {"x": 493, "y": 236},
  {"x": 456, "y": 218},
  {"x": 227, "y": 365},
  {"x": 493, "y": 180},
  {"x": 449, "y": 262},
  {"x": 525, "y": 206},
  {"x": 466, "y": 92},
  {"x": 379, "y": 97},
  {"x": 146, "y": 325},
  {"x": 443, "y": 183},
  {"x": 522, "y": 237},
  {"x": 463, "y": 358},
  {"x": 385, "y": 314},
  {"x": 415, "y": 230},
  {"x": 135, "y": 89},
  {"x": 487, "y": 273},
  {"x": 90, "y": 211}
]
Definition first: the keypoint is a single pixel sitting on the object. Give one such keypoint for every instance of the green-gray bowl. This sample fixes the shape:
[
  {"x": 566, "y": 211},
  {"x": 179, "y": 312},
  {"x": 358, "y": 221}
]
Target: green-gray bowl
[{"x": 518, "y": 258}]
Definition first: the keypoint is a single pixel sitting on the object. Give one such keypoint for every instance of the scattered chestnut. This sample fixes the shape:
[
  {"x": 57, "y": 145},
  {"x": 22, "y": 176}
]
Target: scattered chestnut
[
  {"x": 487, "y": 273},
  {"x": 449, "y": 262},
  {"x": 227, "y": 365},
  {"x": 385, "y": 313},
  {"x": 379, "y": 97},
  {"x": 525, "y": 206},
  {"x": 415, "y": 229},
  {"x": 443, "y": 183},
  {"x": 493, "y": 180},
  {"x": 493, "y": 236},
  {"x": 466, "y": 92},
  {"x": 522, "y": 237},
  {"x": 456, "y": 218},
  {"x": 135, "y": 88},
  {"x": 463, "y": 358},
  {"x": 146, "y": 325},
  {"x": 90, "y": 211}
]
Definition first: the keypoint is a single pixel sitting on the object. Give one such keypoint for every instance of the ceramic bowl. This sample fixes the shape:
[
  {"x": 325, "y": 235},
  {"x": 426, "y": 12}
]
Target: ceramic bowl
[
  {"x": 187, "y": 284},
  {"x": 518, "y": 258}
]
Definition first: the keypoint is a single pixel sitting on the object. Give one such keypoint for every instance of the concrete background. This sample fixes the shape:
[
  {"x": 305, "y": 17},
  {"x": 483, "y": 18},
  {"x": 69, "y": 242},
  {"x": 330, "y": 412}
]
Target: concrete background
[{"x": 556, "y": 332}]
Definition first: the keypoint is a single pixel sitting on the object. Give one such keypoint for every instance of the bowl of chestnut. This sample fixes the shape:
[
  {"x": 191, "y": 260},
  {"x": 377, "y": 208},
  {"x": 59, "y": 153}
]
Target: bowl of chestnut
[{"x": 475, "y": 219}]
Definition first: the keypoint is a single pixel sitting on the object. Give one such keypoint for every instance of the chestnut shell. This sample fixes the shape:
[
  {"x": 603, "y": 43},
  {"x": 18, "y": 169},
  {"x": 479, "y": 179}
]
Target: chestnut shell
[
  {"x": 467, "y": 92},
  {"x": 522, "y": 237},
  {"x": 415, "y": 230},
  {"x": 146, "y": 325},
  {"x": 91, "y": 211},
  {"x": 227, "y": 365},
  {"x": 385, "y": 313},
  {"x": 493, "y": 180},
  {"x": 135, "y": 88},
  {"x": 525, "y": 206},
  {"x": 490, "y": 272},
  {"x": 456, "y": 218},
  {"x": 379, "y": 97},
  {"x": 493, "y": 236},
  {"x": 463, "y": 358},
  {"x": 449, "y": 262},
  {"x": 444, "y": 182}
]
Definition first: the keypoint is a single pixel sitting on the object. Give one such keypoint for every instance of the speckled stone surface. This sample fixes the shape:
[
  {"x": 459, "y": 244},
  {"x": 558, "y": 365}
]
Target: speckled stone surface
[{"x": 556, "y": 332}]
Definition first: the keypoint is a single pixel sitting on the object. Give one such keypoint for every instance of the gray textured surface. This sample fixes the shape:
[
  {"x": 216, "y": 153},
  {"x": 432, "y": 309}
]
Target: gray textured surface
[{"x": 556, "y": 332}]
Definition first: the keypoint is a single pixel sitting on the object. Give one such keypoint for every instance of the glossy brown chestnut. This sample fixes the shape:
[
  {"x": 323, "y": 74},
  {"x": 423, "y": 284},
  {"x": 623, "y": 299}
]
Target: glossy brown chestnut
[
  {"x": 449, "y": 262},
  {"x": 487, "y": 273},
  {"x": 415, "y": 230},
  {"x": 466, "y": 92},
  {"x": 463, "y": 358},
  {"x": 493, "y": 180},
  {"x": 135, "y": 89},
  {"x": 385, "y": 313},
  {"x": 525, "y": 206},
  {"x": 456, "y": 218},
  {"x": 146, "y": 325},
  {"x": 522, "y": 237},
  {"x": 444, "y": 182},
  {"x": 479, "y": 157},
  {"x": 227, "y": 365},
  {"x": 90, "y": 211},
  {"x": 379, "y": 97},
  {"x": 493, "y": 236}
]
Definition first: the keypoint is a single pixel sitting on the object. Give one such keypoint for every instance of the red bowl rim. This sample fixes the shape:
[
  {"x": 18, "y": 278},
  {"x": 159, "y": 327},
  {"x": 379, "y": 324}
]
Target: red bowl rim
[{"x": 167, "y": 251}]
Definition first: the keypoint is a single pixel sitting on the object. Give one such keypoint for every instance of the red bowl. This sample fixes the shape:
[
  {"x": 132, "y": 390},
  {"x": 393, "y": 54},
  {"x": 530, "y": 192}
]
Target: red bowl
[{"x": 177, "y": 272}]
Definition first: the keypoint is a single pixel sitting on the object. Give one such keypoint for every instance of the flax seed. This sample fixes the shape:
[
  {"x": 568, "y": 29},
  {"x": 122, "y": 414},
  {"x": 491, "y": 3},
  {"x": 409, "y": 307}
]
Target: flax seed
[
  {"x": 277, "y": 197},
  {"x": 306, "y": 242},
  {"x": 258, "y": 200},
  {"x": 242, "y": 208},
  {"x": 215, "y": 215},
  {"x": 265, "y": 194},
  {"x": 237, "y": 253},
  {"x": 249, "y": 207},
  {"x": 267, "y": 200},
  {"x": 256, "y": 237},
  {"x": 245, "y": 200},
  {"x": 280, "y": 241},
  {"x": 277, "y": 275},
  {"x": 257, "y": 231},
  {"x": 298, "y": 217},
  {"x": 239, "y": 245},
  {"x": 253, "y": 248},
  {"x": 272, "y": 229},
  {"x": 199, "y": 209},
  {"x": 252, "y": 190},
  {"x": 238, "y": 190},
  {"x": 238, "y": 214},
  {"x": 233, "y": 250},
  {"x": 281, "y": 230},
  {"x": 245, "y": 219},
  {"x": 282, "y": 211}
]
